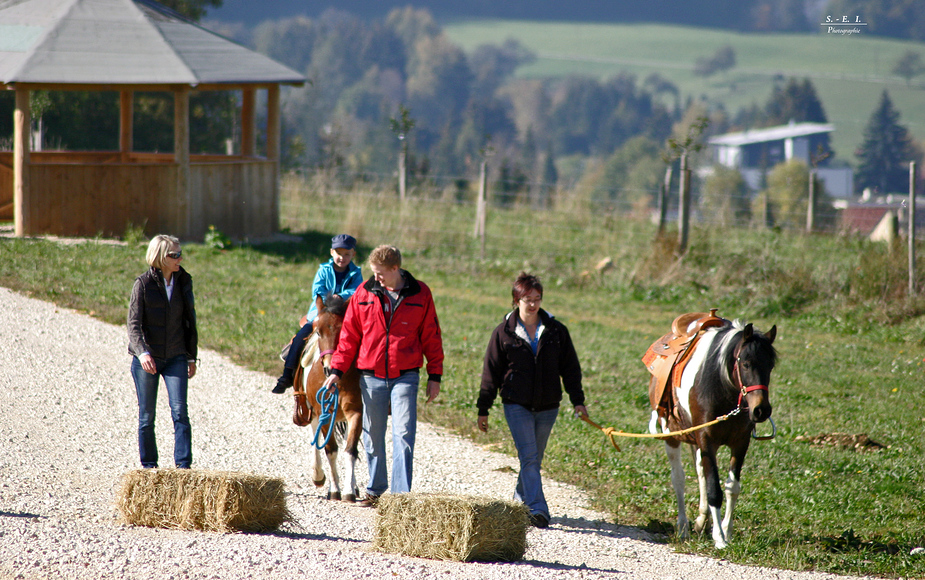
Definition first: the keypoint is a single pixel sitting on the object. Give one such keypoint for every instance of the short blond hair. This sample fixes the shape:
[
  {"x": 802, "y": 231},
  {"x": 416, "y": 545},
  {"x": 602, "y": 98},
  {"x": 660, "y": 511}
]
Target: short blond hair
[
  {"x": 158, "y": 248},
  {"x": 386, "y": 256}
]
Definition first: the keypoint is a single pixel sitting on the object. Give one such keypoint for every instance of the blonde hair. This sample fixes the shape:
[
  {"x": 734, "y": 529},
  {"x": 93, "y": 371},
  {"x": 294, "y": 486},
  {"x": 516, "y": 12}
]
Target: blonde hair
[
  {"x": 158, "y": 248},
  {"x": 386, "y": 256}
]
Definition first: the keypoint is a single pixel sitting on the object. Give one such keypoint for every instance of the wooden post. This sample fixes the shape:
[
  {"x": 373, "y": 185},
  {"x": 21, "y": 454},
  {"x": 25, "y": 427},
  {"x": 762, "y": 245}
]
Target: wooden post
[
  {"x": 126, "y": 118},
  {"x": 480, "y": 209},
  {"x": 185, "y": 208},
  {"x": 273, "y": 154},
  {"x": 22, "y": 138},
  {"x": 663, "y": 200},
  {"x": 811, "y": 206},
  {"x": 402, "y": 168},
  {"x": 273, "y": 123},
  {"x": 684, "y": 207},
  {"x": 249, "y": 123},
  {"x": 912, "y": 269}
]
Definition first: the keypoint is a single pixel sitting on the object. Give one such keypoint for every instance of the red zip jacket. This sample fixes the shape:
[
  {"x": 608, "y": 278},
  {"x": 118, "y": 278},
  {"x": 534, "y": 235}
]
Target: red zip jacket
[{"x": 388, "y": 349}]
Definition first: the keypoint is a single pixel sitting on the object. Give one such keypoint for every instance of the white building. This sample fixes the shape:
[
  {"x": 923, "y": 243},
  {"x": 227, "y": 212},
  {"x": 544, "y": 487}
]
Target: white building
[{"x": 756, "y": 151}]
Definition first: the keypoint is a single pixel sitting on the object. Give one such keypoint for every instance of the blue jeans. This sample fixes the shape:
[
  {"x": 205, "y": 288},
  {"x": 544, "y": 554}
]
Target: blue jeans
[
  {"x": 295, "y": 350},
  {"x": 378, "y": 394},
  {"x": 176, "y": 378},
  {"x": 530, "y": 432}
]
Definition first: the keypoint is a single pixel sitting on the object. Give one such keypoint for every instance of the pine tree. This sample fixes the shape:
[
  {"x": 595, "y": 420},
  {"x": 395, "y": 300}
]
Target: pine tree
[
  {"x": 884, "y": 156},
  {"x": 796, "y": 101}
]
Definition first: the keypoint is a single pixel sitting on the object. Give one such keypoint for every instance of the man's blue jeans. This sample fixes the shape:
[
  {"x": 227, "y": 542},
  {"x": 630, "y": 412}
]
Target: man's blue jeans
[
  {"x": 378, "y": 394},
  {"x": 176, "y": 378},
  {"x": 530, "y": 431}
]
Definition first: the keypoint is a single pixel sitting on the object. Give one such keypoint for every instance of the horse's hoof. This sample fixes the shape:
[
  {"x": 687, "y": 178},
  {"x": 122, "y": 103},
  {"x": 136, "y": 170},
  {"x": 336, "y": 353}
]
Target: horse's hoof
[
  {"x": 350, "y": 498},
  {"x": 319, "y": 483},
  {"x": 334, "y": 495}
]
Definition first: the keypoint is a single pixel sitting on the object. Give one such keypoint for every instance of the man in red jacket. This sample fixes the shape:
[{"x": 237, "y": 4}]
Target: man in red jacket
[{"x": 390, "y": 326}]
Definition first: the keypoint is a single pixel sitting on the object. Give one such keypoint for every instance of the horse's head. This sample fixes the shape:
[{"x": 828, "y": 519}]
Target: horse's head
[
  {"x": 327, "y": 326},
  {"x": 755, "y": 359}
]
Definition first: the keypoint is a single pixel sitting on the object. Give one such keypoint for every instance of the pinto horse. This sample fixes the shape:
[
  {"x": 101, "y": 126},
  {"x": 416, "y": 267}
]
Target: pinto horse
[
  {"x": 308, "y": 379},
  {"x": 728, "y": 374}
]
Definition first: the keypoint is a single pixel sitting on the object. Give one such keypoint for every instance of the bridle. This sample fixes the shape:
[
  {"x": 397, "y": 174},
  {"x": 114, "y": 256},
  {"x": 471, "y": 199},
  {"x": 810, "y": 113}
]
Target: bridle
[
  {"x": 745, "y": 390},
  {"x": 321, "y": 356},
  {"x": 737, "y": 381}
]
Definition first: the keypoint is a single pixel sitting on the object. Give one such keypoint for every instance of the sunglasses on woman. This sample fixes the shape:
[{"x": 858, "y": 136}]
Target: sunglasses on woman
[{"x": 175, "y": 255}]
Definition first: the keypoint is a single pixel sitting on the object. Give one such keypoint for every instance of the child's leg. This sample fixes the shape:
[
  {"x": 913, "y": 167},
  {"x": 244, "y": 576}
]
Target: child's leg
[{"x": 292, "y": 359}]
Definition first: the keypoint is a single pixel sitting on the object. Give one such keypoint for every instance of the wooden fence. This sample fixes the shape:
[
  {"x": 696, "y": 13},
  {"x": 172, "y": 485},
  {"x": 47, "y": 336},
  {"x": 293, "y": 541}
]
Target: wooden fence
[{"x": 88, "y": 194}]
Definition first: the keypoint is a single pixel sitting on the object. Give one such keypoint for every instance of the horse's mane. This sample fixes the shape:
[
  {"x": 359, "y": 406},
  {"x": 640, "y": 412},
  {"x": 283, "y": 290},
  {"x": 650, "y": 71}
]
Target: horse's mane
[{"x": 336, "y": 305}]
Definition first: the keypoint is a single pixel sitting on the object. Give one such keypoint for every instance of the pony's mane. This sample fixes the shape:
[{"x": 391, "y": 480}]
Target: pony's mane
[{"x": 335, "y": 305}]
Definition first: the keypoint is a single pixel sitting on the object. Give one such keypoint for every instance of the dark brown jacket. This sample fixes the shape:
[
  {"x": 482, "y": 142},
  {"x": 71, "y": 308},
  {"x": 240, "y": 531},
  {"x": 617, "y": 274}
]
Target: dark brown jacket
[{"x": 535, "y": 382}]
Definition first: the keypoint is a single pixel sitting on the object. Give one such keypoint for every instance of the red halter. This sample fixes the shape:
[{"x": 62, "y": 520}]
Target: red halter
[{"x": 743, "y": 390}]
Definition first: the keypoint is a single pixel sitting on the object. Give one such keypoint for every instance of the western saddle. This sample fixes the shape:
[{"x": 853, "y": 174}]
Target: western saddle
[{"x": 668, "y": 356}]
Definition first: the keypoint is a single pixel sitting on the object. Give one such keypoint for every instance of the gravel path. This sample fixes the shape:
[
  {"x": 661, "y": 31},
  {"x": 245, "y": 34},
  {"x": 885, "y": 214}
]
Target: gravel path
[{"x": 65, "y": 440}]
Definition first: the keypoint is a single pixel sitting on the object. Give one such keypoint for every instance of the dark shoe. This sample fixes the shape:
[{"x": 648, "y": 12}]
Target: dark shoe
[
  {"x": 283, "y": 383},
  {"x": 538, "y": 520},
  {"x": 369, "y": 501}
]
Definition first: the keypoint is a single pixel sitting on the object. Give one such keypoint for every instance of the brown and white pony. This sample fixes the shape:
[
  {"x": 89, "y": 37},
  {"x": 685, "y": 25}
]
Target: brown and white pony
[
  {"x": 729, "y": 372},
  {"x": 309, "y": 377}
]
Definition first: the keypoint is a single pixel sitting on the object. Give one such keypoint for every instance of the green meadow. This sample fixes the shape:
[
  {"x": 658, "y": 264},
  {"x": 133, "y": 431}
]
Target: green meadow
[
  {"x": 849, "y": 340},
  {"x": 849, "y": 72}
]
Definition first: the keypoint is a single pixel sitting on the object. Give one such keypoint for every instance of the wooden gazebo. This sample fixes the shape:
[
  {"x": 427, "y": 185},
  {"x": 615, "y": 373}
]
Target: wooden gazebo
[{"x": 129, "y": 46}]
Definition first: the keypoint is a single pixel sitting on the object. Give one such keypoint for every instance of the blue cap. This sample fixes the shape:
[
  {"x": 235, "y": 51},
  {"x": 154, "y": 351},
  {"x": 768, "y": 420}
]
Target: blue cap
[{"x": 344, "y": 241}]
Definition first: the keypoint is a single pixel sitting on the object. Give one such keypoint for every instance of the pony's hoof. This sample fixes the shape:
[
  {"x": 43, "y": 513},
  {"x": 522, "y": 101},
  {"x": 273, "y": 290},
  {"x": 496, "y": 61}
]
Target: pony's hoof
[
  {"x": 334, "y": 495},
  {"x": 350, "y": 498},
  {"x": 319, "y": 482}
]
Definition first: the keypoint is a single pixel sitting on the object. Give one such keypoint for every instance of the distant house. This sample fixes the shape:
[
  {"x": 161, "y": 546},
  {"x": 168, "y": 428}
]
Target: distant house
[
  {"x": 755, "y": 152},
  {"x": 882, "y": 217}
]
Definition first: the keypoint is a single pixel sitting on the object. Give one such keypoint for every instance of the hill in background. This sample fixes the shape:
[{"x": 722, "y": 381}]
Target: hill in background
[
  {"x": 849, "y": 73},
  {"x": 731, "y": 14}
]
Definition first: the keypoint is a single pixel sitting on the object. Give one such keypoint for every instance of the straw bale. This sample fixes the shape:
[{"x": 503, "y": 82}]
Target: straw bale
[
  {"x": 192, "y": 499},
  {"x": 451, "y": 527}
]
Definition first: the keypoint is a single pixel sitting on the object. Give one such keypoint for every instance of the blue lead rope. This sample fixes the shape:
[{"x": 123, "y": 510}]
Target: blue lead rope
[{"x": 328, "y": 402}]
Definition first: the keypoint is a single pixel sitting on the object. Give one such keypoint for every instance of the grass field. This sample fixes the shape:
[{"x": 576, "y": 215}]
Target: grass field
[
  {"x": 850, "y": 345},
  {"x": 849, "y": 73}
]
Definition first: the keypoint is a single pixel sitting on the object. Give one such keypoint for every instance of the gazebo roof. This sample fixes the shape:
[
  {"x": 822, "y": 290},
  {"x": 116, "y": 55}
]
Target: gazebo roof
[{"x": 122, "y": 42}]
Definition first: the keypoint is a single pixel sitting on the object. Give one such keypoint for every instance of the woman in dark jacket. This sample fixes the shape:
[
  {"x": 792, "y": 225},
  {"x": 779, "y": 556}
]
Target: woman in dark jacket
[
  {"x": 529, "y": 357},
  {"x": 164, "y": 343}
]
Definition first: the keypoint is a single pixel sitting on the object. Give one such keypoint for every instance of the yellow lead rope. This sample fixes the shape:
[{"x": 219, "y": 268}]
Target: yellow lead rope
[{"x": 611, "y": 433}]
